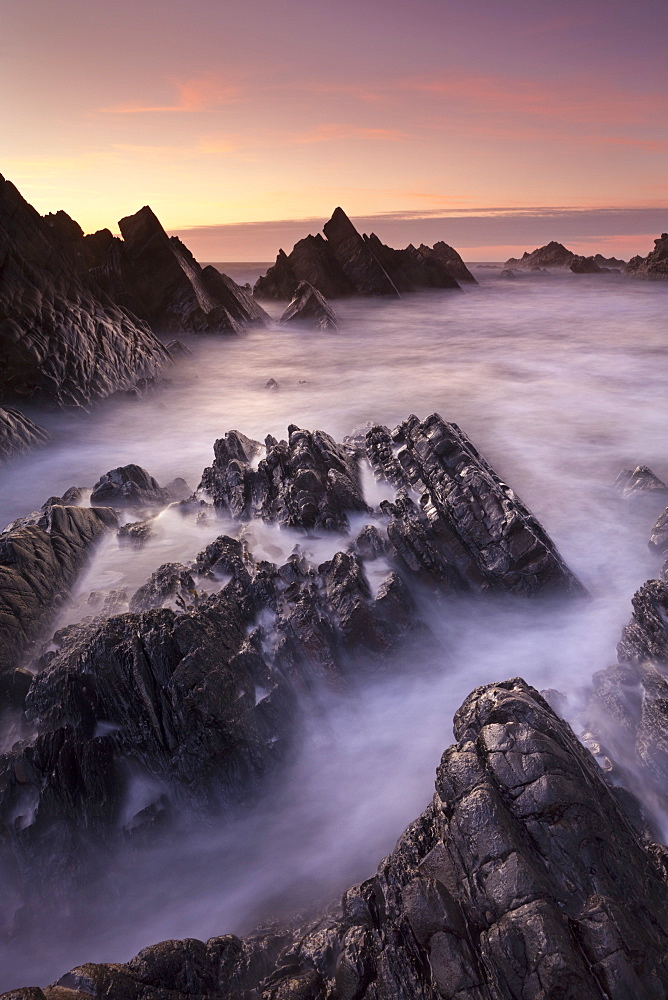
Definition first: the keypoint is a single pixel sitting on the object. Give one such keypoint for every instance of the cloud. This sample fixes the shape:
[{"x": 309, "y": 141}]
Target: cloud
[
  {"x": 205, "y": 93},
  {"x": 333, "y": 133}
]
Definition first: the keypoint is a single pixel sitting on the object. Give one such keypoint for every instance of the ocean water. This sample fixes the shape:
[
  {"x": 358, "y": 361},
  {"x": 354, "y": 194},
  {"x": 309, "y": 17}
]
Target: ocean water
[{"x": 559, "y": 380}]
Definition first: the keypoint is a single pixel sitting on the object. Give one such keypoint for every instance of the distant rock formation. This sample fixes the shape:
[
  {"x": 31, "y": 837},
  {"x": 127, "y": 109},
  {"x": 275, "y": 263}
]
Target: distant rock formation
[
  {"x": 309, "y": 306},
  {"x": 450, "y": 260},
  {"x": 655, "y": 264},
  {"x": 18, "y": 433},
  {"x": 343, "y": 263},
  {"x": 551, "y": 255},
  {"x": 62, "y": 339},
  {"x": 587, "y": 265}
]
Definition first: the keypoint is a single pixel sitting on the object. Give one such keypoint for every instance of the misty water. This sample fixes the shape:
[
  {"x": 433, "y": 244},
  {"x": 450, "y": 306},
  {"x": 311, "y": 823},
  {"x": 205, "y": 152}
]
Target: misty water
[{"x": 560, "y": 381}]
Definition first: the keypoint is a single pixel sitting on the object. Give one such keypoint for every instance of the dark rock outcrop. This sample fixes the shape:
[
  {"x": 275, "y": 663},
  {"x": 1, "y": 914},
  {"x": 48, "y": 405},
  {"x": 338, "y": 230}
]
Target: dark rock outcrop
[
  {"x": 639, "y": 482},
  {"x": 128, "y": 486},
  {"x": 308, "y": 481},
  {"x": 586, "y": 265},
  {"x": 344, "y": 263},
  {"x": 39, "y": 563},
  {"x": 470, "y": 531},
  {"x": 309, "y": 306},
  {"x": 553, "y": 254},
  {"x": 645, "y": 638},
  {"x": 654, "y": 265},
  {"x": 658, "y": 540},
  {"x": 522, "y": 880},
  {"x": 164, "y": 284},
  {"x": 450, "y": 259},
  {"x": 62, "y": 339},
  {"x": 18, "y": 433}
]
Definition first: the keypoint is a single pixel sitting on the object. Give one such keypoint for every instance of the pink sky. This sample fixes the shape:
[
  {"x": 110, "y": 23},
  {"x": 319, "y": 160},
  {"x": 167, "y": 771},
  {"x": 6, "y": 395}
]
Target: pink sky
[{"x": 221, "y": 113}]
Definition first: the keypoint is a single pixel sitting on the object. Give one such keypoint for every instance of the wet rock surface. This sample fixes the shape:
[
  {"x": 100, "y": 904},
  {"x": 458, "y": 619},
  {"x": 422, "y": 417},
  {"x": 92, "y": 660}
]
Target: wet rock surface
[
  {"x": 654, "y": 265},
  {"x": 640, "y": 481},
  {"x": 470, "y": 531},
  {"x": 522, "y": 880},
  {"x": 128, "y": 486},
  {"x": 62, "y": 338},
  {"x": 39, "y": 562},
  {"x": 18, "y": 433},
  {"x": 310, "y": 307},
  {"x": 344, "y": 263}
]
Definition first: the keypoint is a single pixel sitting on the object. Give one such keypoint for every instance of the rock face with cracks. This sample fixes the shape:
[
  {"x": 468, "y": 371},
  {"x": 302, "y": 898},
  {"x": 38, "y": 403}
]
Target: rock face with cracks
[
  {"x": 344, "y": 263},
  {"x": 450, "y": 259},
  {"x": 39, "y": 563},
  {"x": 522, "y": 880},
  {"x": 63, "y": 340},
  {"x": 655, "y": 264},
  {"x": 18, "y": 433},
  {"x": 310, "y": 307}
]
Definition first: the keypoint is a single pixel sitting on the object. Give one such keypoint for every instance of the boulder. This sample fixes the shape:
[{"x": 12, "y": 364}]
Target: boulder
[
  {"x": 344, "y": 263},
  {"x": 18, "y": 433},
  {"x": 39, "y": 564},
  {"x": 639, "y": 482},
  {"x": 309, "y": 306},
  {"x": 654, "y": 265},
  {"x": 586, "y": 265},
  {"x": 62, "y": 339},
  {"x": 128, "y": 486},
  {"x": 523, "y": 878}
]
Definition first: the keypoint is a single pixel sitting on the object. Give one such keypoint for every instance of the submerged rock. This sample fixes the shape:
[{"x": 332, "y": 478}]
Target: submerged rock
[
  {"x": 523, "y": 878},
  {"x": 18, "y": 433},
  {"x": 62, "y": 339},
  {"x": 309, "y": 306},
  {"x": 343, "y": 263}
]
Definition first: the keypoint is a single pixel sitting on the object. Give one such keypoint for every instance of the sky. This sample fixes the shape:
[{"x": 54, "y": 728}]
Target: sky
[{"x": 495, "y": 126}]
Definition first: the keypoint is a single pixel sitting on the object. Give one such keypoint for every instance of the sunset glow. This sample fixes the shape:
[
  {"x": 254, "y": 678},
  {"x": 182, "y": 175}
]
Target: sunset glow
[{"x": 227, "y": 114}]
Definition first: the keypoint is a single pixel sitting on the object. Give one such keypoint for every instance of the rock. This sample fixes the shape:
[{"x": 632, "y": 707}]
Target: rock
[
  {"x": 62, "y": 339},
  {"x": 586, "y": 265},
  {"x": 171, "y": 580},
  {"x": 128, "y": 486},
  {"x": 309, "y": 306},
  {"x": 613, "y": 262},
  {"x": 308, "y": 482},
  {"x": 450, "y": 259},
  {"x": 272, "y": 385},
  {"x": 659, "y": 538},
  {"x": 509, "y": 274},
  {"x": 177, "y": 490},
  {"x": 471, "y": 531},
  {"x": 654, "y": 265},
  {"x": 344, "y": 263},
  {"x": 166, "y": 286},
  {"x": 551, "y": 255},
  {"x": 39, "y": 563},
  {"x": 18, "y": 433},
  {"x": 645, "y": 638},
  {"x": 640, "y": 481},
  {"x": 523, "y": 878},
  {"x": 178, "y": 349}
]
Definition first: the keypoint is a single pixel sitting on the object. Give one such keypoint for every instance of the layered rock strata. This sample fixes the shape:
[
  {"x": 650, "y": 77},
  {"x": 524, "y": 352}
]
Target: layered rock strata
[
  {"x": 310, "y": 307},
  {"x": 522, "y": 880},
  {"x": 18, "y": 433},
  {"x": 344, "y": 263}
]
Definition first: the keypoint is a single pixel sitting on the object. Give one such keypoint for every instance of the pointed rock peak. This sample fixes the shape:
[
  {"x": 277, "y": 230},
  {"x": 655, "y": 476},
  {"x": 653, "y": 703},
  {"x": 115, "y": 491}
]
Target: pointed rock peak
[
  {"x": 140, "y": 226},
  {"x": 339, "y": 227}
]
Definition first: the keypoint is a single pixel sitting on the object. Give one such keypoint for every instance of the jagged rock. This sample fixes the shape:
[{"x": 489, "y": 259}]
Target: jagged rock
[
  {"x": 178, "y": 349},
  {"x": 553, "y": 254},
  {"x": 345, "y": 263},
  {"x": 655, "y": 264},
  {"x": 171, "y": 580},
  {"x": 659, "y": 538},
  {"x": 272, "y": 385},
  {"x": 39, "y": 563},
  {"x": 586, "y": 265},
  {"x": 62, "y": 339},
  {"x": 18, "y": 433},
  {"x": 522, "y": 880},
  {"x": 640, "y": 481},
  {"x": 128, "y": 486},
  {"x": 613, "y": 262},
  {"x": 166, "y": 286},
  {"x": 450, "y": 259},
  {"x": 309, "y": 306},
  {"x": 471, "y": 530},
  {"x": 177, "y": 490},
  {"x": 308, "y": 482},
  {"x": 645, "y": 638}
]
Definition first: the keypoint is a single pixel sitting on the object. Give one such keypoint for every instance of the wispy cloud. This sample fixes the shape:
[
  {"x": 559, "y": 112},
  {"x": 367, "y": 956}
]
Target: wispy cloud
[
  {"x": 337, "y": 132},
  {"x": 205, "y": 93}
]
